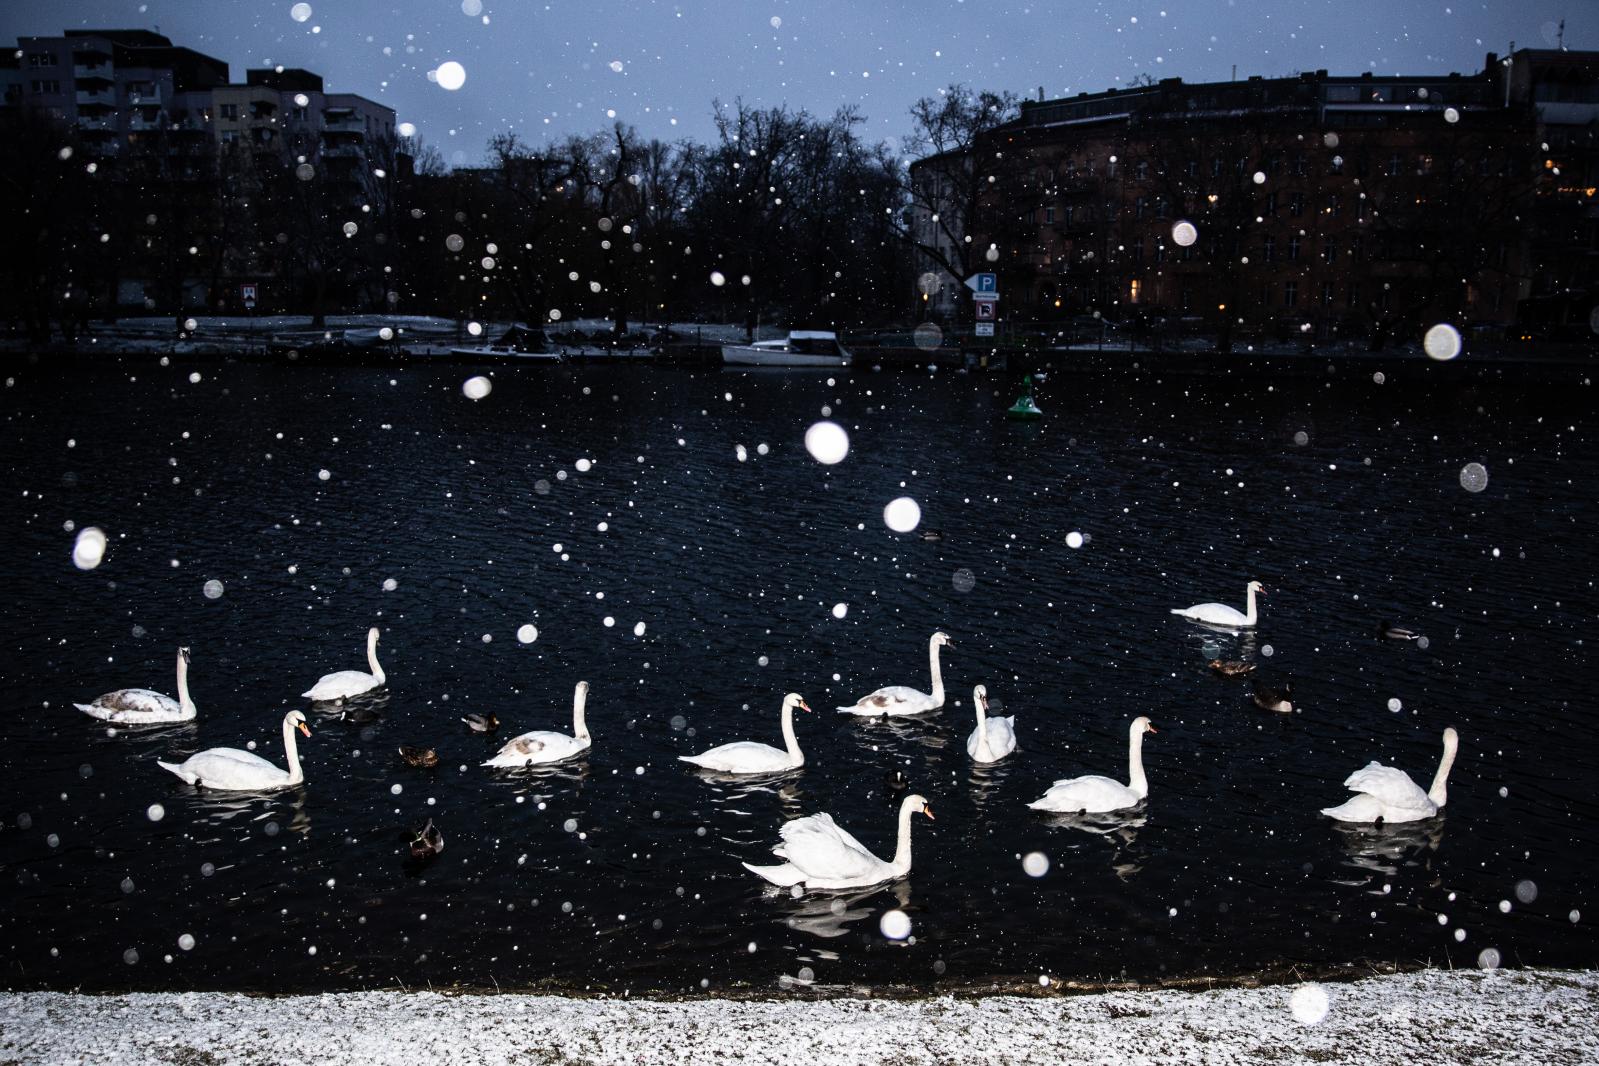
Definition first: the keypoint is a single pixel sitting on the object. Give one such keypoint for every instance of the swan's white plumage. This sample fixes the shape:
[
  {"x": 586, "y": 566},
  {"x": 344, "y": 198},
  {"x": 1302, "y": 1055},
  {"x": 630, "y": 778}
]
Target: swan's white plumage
[
  {"x": 820, "y": 854},
  {"x": 893, "y": 700},
  {"x": 142, "y": 706},
  {"x": 242, "y": 771},
  {"x": 343, "y": 684},
  {"x": 1096, "y": 794},
  {"x": 994, "y": 738},
  {"x": 750, "y": 757},
  {"x": 544, "y": 746},
  {"x": 1388, "y": 794},
  {"x": 1220, "y": 614}
]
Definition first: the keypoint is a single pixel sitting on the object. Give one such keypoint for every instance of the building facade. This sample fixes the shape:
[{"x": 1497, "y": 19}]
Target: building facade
[
  {"x": 200, "y": 183},
  {"x": 1313, "y": 206}
]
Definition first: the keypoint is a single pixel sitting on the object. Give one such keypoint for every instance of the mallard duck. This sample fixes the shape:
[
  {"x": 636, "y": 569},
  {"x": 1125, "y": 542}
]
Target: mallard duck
[
  {"x": 1232, "y": 667},
  {"x": 1274, "y": 699},
  {"x": 896, "y": 781},
  {"x": 421, "y": 757},
  {"x": 428, "y": 841},
  {"x": 482, "y": 723},
  {"x": 932, "y": 534},
  {"x": 359, "y": 715}
]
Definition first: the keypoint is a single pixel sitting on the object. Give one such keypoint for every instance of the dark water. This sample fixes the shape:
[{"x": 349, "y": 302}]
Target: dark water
[{"x": 623, "y": 871}]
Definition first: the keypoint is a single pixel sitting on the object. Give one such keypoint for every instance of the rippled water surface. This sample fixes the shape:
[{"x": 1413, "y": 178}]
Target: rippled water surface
[{"x": 610, "y": 510}]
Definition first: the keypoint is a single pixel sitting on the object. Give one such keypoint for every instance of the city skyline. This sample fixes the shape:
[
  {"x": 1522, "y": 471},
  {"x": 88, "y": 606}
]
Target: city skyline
[{"x": 659, "y": 67}]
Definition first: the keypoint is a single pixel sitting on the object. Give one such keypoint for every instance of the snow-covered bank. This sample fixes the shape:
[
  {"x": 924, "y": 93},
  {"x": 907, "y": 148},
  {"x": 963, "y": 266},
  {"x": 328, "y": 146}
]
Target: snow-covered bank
[{"x": 1529, "y": 1016}]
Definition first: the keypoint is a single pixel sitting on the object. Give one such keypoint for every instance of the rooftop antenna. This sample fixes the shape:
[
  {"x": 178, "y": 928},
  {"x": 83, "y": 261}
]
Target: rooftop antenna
[
  {"x": 1235, "y": 72},
  {"x": 1560, "y": 36}
]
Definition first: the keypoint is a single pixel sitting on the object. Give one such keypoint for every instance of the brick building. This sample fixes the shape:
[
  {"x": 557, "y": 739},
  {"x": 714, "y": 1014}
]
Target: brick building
[{"x": 1314, "y": 205}]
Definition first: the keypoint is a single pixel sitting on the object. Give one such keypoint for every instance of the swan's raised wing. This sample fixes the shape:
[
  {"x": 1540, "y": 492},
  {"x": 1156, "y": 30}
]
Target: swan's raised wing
[
  {"x": 824, "y": 851},
  {"x": 1391, "y": 786}
]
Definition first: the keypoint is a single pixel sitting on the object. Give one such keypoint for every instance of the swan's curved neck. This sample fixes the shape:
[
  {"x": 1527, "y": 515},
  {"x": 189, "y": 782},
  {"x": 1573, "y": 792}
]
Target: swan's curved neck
[
  {"x": 984, "y": 752},
  {"x": 902, "y": 853},
  {"x": 372, "y": 658},
  {"x": 291, "y": 748},
  {"x": 185, "y": 704},
  {"x": 1439, "y": 792},
  {"x": 1249, "y": 605},
  {"x": 938, "y": 675},
  {"x": 1135, "y": 762},
  {"x": 790, "y": 741},
  {"x": 580, "y": 727}
]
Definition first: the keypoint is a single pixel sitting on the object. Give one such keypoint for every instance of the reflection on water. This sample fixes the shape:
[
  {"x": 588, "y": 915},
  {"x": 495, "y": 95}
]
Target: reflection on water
[
  {"x": 693, "y": 588},
  {"x": 827, "y": 915},
  {"x": 1383, "y": 849}
]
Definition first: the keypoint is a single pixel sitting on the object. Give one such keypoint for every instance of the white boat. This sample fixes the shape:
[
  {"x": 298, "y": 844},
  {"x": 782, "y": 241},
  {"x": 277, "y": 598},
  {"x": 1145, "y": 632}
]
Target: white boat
[
  {"x": 802, "y": 347},
  {"x": 506, "y": 352}
]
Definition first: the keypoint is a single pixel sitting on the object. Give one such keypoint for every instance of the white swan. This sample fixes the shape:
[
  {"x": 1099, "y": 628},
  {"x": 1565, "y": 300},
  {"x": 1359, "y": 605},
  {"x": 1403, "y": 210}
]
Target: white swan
[
  {"x": 1385, "y": 794},
  {"x": 345, "y": 683},
  {"x": 898, "y": 699},
  {"x": 140, "y": 706},
  {"x": 750, "y": 757},
  {"x": 543, "y": 746},
  {"x": 1093, "y": 794},
  {"x": 1219, "y": 614},
  {"x": 994, "y": 738},
  {"x": 242, "y": 771},
  {"x": 821, "y": 855}
]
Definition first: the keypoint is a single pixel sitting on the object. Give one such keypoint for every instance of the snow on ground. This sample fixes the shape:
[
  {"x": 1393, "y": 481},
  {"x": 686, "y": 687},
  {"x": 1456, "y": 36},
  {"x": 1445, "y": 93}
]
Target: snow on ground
[{"x": 1433, "y": 1017}]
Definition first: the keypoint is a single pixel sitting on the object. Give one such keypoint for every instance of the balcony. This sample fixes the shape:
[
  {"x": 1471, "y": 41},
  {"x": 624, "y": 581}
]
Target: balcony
[
  {"x": 341, "y": 151},
  {"x": 146, "y": 124},
  {"x": 96, "y": 98},
  {"x": 92, "y": 72},
  {"x": 95, "y": 124},
  {"x": 343, "y": 123},
  {"x": 144, "y": 97}
]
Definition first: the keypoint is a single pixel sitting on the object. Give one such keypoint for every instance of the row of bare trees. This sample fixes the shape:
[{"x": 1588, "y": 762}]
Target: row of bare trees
[{"x": 781, "y": 217}]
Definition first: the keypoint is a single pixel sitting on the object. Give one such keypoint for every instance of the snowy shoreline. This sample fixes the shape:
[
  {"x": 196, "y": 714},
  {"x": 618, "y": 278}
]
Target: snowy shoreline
[{"x": 1520, "y": 1016}]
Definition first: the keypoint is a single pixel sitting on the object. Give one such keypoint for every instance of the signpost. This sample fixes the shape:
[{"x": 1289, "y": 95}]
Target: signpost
[
  {"x": 985, "y": 302},
  {"x": 247, "y": 297}
]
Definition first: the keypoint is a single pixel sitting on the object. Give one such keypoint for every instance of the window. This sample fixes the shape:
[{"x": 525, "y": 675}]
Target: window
[
  {"x": 1333, "y": 206},
  {"x": 1049, "y": 215},
  {"x": 1357, "y": 248},
  {"x": 1329, "y": 251},
  {"x": 1271, "y": 203},
  {"x": 1354, "y": 294},
  {"x": 1296, "y": 204},
  {"x": 41, "y": 59},
  {"x": 1299, "y": 166},
  {"x": 1326, "y": 293},
  {"x": 230, "y": 112},
  {"x": 1268, "y": 250},
  {"x": 1140, "y": 206},
  {"x": 1293, "y": 249},
  {"x": 1143, "y": 170},
  {"x": 45, "y": 85},
  {"x": 1193, "y": 168},
  {"x": 1393, "y": 165},
  {"x": 1133, "y": 290},
  {"x": 1215, "y": 167},
  {"x": 1066, "y": 215},
  {"x": 1290, "y": 294},
  {"x": 300, "y": 114},
  {"x": 1160, "y": 252},
  {"x": 1138, "y": 253},
  {"x": 230, "y": 136}
]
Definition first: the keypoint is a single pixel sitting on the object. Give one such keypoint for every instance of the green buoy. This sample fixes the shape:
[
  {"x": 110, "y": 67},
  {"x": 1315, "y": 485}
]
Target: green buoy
[{"x": 1024, "y": 409}]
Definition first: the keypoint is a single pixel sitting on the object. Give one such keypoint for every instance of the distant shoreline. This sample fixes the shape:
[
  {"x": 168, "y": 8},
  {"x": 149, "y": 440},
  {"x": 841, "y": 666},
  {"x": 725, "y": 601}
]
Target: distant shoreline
[{"x": 1503, "y": 1016}]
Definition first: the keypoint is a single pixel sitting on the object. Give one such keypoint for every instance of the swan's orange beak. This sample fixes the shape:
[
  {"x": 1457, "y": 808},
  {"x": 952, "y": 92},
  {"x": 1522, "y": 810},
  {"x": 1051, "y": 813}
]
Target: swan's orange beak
[
  {"x": 1149, "y": 727},
  {"x": 927, "y": 809},
  {"x": 804, "y": 706},
  {"x": 303, "y": 728}
]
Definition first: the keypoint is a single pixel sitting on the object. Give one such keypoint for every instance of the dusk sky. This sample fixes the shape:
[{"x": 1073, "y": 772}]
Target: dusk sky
[{"x": 546, "y": 70}]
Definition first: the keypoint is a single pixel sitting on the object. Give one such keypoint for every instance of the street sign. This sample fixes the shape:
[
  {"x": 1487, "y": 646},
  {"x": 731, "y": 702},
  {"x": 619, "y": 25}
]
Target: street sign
[
  {"x": 985, "y": 297},
  {"x": 985, "y": 329},
  {"x": 981, "y": 283},
  {"x": 985, "y": 310},
  {"x": 247, "y": 295}
]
